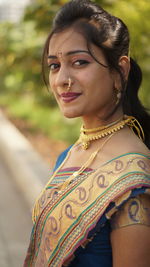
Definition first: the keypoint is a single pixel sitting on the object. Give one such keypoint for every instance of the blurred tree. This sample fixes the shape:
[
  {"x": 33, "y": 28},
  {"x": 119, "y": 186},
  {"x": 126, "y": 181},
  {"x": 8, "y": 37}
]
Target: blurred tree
[
  {"x": 136, "y": 16},
  {"x": 22, "y": 44}
]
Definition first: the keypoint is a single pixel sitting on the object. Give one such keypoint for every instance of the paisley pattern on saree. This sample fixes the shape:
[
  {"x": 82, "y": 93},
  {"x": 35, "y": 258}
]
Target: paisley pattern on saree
[
  {"x": 63, "y": 224},
  {"x": 135, "y": 211}
]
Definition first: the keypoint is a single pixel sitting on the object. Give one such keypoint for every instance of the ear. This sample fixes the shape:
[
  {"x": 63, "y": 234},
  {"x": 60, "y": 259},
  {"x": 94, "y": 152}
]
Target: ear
[{"x": 124, "y": 64}]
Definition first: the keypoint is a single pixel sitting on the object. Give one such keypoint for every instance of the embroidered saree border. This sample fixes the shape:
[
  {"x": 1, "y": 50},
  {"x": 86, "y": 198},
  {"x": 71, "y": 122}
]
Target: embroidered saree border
[
  {"x": 88, "y": 219},
  {"x": 82, "y": 214}
]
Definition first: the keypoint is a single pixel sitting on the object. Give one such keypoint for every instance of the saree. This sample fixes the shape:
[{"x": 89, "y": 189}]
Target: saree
[{"x": 68, "y": 217}]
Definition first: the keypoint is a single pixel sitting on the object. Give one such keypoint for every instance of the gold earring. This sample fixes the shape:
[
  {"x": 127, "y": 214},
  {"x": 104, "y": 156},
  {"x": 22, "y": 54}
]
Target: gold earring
[
  {"x": 69, "y": 84},
  {"x": 118, "y": 95}
]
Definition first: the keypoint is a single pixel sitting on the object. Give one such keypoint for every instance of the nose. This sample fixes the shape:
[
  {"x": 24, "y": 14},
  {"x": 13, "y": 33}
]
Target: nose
[{"x": 62, "y": 78}]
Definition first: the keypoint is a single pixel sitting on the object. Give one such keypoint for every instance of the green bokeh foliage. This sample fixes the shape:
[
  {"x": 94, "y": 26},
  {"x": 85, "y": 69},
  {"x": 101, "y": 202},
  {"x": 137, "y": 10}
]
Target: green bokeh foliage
[{"x": 21, "y": 46}]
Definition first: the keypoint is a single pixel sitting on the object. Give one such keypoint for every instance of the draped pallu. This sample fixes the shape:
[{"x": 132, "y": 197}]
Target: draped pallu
[{"x": 68, "y": 218}]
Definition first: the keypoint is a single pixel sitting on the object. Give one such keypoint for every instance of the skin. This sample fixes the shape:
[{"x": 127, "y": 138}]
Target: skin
[
  {"x": 94, "y": 82},
  {"x": 130, "y": 245}
]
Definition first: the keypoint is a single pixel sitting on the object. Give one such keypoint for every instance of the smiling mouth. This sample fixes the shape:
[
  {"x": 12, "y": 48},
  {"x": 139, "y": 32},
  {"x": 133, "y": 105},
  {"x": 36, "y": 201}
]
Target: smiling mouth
[{"x": 69, "y": 96}]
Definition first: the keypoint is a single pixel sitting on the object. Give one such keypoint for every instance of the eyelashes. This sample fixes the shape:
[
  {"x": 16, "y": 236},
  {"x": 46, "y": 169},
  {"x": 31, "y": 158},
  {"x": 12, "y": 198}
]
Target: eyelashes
[
  {"x": 76, "y": 63},
  {"x": 81, "y": 62},
  {"x": 53, "y": 66}
]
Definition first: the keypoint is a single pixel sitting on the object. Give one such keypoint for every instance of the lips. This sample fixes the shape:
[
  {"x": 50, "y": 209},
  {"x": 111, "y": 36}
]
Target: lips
[{"x": 69, "y": 96}]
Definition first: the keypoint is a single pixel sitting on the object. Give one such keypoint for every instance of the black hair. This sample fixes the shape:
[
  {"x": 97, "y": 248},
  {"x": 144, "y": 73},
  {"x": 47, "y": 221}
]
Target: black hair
[{"x": 111, "y": 35}]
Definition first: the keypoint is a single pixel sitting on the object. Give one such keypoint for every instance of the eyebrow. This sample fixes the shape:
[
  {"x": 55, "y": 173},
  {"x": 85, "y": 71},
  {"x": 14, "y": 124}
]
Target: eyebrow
[{"x": 70, "y": 53}]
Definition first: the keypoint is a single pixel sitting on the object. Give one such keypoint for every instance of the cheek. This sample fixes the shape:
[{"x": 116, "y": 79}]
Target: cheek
[
  {"x": 86, "y": 81},
  {"x": 106, "y": 81},
  {"x": 101, "y": 82},
  {"x": 102, "y": 88}
]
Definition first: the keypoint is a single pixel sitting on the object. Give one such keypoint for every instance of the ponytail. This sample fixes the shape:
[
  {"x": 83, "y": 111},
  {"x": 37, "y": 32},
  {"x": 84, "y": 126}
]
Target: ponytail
[{"x": 131, "y": 103}]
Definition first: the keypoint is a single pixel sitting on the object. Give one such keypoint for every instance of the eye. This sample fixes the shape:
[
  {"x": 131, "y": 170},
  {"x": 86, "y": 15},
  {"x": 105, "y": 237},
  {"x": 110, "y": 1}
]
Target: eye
[
  {"x": 53, "y": 66},
  {"x": 80, "y": 62}
]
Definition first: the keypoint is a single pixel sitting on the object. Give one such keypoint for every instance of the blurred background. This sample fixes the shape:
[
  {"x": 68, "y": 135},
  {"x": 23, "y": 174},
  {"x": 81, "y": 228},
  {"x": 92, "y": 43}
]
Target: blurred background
[
  {"x": 24, "y": 26},
  {"x": 28, "y": 104}
]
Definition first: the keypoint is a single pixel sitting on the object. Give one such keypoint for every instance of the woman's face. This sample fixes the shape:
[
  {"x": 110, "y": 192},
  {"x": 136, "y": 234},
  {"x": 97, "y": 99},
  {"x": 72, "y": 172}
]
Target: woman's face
[{"x": 92, "y": 87}]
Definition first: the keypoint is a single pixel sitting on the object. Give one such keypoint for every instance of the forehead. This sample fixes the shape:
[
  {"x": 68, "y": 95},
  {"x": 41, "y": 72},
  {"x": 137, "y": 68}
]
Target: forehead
[{"x": 65, "y": 41}]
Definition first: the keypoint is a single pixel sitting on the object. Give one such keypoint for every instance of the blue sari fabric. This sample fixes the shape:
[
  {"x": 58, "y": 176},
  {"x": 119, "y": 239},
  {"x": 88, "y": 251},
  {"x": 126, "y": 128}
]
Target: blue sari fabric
[{"x": 97, "y": 253}]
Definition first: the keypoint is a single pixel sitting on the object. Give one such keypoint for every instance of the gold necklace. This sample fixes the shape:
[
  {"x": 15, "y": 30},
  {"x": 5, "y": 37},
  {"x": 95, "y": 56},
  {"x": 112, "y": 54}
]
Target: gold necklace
[
  {"x": 100, "y": 128},
  {"x": 85, "y": 139}
]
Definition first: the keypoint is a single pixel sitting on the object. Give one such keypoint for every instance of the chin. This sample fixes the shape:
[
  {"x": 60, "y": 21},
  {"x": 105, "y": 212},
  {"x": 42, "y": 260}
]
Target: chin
[{"x": 70, "y": 115}]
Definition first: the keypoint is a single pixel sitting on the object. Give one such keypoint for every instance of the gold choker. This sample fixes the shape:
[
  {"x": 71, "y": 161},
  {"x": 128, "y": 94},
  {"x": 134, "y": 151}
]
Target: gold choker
[
  {"x": 102, "y": 131},
  {"x": 100, "y": 128}
]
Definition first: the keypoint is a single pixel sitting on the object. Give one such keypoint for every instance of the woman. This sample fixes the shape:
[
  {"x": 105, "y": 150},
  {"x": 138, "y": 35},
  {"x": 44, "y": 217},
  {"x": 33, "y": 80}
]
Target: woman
[{"x": 95, "y": 209}]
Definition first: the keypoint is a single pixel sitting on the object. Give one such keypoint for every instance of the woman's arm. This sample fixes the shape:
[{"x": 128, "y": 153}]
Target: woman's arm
[
  {"x": 131, "y": 246},
  {"x": 130, "y": 236}
]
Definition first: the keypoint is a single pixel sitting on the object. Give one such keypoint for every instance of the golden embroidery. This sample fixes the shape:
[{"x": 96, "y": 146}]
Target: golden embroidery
[{"x": 65, "y": 219}]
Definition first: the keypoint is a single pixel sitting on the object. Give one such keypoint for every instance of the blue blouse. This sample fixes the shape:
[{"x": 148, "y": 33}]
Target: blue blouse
[{"x": 97, "y": 253}]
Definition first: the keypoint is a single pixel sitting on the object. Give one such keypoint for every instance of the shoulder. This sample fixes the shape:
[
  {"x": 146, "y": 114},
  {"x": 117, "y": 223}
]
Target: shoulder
[{"x": 127, "y": 142}]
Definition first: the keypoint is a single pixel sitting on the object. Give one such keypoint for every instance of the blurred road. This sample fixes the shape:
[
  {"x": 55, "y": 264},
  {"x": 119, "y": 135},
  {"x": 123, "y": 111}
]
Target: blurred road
[{"x": 15, "y": 221}]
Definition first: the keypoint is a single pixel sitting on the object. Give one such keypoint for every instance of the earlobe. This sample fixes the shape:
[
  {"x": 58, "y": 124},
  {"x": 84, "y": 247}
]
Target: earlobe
[
  {"x": 117, "y": 81},
  {"x": 124, "y": 64}
]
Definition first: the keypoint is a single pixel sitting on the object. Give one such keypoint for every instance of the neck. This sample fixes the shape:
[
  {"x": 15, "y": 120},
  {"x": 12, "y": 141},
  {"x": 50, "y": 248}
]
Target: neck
[{"x": 90, "y": 122}]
